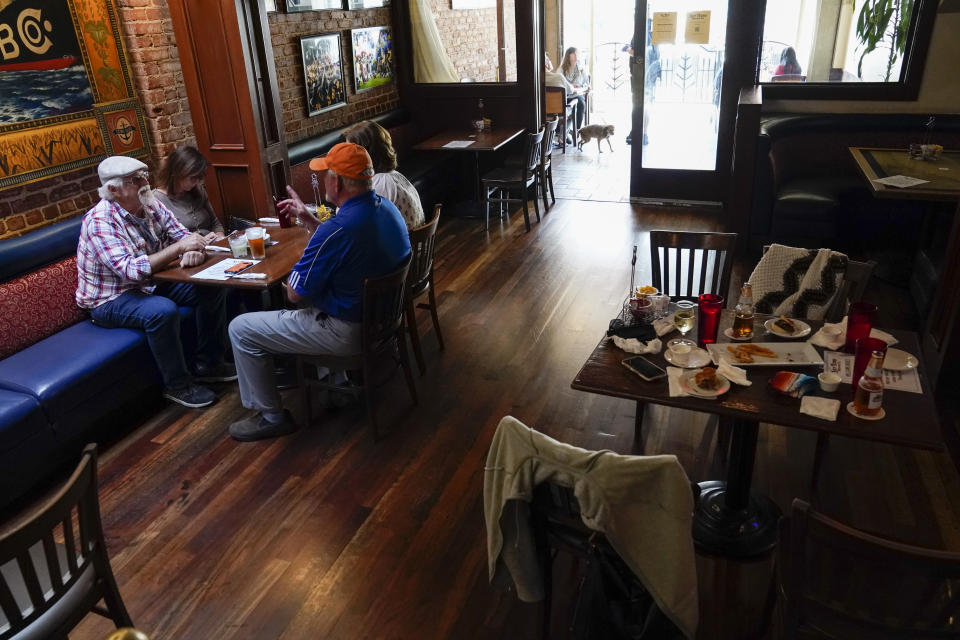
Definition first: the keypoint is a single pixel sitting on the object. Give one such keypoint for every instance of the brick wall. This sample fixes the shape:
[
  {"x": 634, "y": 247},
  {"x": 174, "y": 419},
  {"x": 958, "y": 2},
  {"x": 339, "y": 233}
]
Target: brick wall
[
  {"x": 148, "y": 35},
  {"x": 285, "y": 33},
  {"x": 470, "y": 39}
]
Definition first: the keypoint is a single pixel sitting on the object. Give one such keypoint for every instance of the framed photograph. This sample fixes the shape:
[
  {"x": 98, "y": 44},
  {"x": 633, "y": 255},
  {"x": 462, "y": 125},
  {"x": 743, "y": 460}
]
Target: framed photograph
[
  {"x": 294, "y": 6},
  {"x": 369, "y": 4},
  {"x": 323, "y": 72},
  {"x": 372, "y": 57}
]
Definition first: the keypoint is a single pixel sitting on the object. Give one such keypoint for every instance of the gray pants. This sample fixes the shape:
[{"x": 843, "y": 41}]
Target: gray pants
[{"x": 257, "y": 337}]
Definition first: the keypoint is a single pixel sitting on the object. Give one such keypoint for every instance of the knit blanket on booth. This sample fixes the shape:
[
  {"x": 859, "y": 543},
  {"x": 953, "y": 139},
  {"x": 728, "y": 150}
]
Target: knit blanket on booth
[{"x": 798, "y": 283}]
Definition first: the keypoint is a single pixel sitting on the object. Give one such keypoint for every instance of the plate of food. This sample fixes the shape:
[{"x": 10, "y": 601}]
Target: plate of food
[
  {"x": 784, "y": 327},
  {"x": 766, "y": 354},
  {"x": 704, "y": 383}
]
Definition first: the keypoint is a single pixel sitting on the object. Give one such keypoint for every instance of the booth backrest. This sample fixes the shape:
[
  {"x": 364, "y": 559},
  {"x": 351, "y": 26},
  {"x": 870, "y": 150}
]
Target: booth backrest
[{"x": 38, "y": 273}]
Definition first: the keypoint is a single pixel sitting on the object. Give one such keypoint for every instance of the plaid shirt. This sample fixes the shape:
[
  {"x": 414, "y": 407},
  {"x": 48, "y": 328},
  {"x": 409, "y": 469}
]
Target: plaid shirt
[{"x": 112, "y": 253}]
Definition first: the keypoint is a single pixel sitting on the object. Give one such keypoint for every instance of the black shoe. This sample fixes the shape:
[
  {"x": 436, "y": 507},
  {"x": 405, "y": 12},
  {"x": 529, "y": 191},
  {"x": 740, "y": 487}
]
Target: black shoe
[
  {"x": 256, "y": 427},
  {"x": 220, "y": 372},
  {"x": 191, "y": 395}
]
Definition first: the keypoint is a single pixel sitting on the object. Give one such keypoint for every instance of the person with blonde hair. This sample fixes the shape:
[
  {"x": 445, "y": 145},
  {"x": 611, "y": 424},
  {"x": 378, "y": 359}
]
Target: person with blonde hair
[{"x": 387, "y": 181}]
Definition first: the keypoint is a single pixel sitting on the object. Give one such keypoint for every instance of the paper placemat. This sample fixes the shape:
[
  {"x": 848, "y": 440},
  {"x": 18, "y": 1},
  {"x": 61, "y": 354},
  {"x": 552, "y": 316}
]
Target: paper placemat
[
  {"x": 216, "y": 271},
  {"x": 842, "y": 365}
]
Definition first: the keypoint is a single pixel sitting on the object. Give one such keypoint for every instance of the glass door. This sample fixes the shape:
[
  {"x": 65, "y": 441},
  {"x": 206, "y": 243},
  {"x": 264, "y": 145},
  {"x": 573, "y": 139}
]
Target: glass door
[{"x": 681, "y": 140}]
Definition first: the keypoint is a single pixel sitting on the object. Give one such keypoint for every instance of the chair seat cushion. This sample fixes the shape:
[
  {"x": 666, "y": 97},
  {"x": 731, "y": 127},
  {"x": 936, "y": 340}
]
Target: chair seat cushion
[
  {"x": 78, "y": 369},
  {"x": 20, "y": 418}
]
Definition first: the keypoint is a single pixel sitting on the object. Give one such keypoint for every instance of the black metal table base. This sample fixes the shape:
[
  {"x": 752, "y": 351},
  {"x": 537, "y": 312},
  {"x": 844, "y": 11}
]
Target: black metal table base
[{"x": 722, "y": 530}]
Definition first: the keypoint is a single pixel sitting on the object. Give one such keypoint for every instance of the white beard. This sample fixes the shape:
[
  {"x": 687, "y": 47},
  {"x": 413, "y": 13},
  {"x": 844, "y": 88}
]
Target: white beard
[{"x": 147, "y": 199}]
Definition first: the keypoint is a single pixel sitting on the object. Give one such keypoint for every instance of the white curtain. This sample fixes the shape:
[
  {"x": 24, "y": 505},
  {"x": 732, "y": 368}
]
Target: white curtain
[{"x": 430, "y": 60}]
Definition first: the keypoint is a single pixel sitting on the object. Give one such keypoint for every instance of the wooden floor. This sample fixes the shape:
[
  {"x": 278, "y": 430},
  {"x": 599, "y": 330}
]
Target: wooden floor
[{"x": 326, "y": 534}]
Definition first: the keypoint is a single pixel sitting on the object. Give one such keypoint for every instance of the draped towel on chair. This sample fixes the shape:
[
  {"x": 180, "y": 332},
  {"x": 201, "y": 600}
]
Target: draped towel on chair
[
  {"x": 796, "y": 282},
  {"x": 430, "y": 60}
]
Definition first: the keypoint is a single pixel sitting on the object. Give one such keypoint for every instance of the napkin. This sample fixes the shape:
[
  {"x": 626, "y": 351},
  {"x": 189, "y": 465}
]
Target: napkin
[
  {"x": 213, "y": 247},
  {"x": 673, "y": 379},
  {"x": 269, "y": 220},
  {"x": 732, "y": 373},
  {"x": 663, "y": 326},
  {"x": 249, "y": 276},
  {"x": 632, "y": 345},
  {"x": 823, "y": 408},
  {"x": 835, "y": 341}
]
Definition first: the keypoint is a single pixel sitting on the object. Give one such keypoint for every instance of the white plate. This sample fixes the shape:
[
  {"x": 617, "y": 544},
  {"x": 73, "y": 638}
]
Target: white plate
[
  {"x": 690, "y": 386},
  {"x": 879, "y": 416},
  {"x": 789, "y": 354},
  {"x": 695, "y": 359},
  {"x": 729, "y": 333},
  {"x": 899, "y": 360},
  {"x": 803, "y": 329}
]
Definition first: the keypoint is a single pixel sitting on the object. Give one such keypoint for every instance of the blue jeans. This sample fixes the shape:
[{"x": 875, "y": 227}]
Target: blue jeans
[{"x": 157, "y": 315}]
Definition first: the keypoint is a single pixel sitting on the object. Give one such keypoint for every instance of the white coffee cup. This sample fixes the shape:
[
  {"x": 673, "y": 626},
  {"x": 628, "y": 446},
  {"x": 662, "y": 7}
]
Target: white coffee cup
[{"x": 680, "y": 349}]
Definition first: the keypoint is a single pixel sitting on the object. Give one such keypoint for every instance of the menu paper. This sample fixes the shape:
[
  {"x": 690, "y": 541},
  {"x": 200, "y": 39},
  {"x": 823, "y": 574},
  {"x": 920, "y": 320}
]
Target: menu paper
[
  {"x": 698, "y": 27},
  {"x": 217, "y": 271},
  {"x": 663, "y": 30},
  {"x": 900, "y": 181},
  {"x": 842, "y": 365},
  {"x": 458, "y": 144}
]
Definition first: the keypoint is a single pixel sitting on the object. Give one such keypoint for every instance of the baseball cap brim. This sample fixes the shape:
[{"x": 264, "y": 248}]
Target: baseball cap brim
[{"x": 319, "y": 164}]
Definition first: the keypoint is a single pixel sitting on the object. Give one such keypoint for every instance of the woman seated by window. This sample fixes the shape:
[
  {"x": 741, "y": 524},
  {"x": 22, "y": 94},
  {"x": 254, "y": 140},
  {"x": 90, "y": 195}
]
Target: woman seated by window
[
  {"x": 387, "y": 181},
  {"x": 181, "y": 191},
  {"x": 788, "y": 63},
  {"x": 572, "y": 70}
]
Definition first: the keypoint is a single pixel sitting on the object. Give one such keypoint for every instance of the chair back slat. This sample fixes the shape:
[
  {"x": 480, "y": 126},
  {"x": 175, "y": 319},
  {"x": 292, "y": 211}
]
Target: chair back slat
[
  {"x": 422, "y": 241},
  {"x": 531, "y": 153},
  {"x": 546, "y": 153},
  {"x": 830, "y": 576},
  {"x": 52, "y": 561},
  {"x": 383, "y": 305},
  {"x": 687, "y": 264},
  {"x": 70, "y": 544},
  {"x": 30, "y": 580}
]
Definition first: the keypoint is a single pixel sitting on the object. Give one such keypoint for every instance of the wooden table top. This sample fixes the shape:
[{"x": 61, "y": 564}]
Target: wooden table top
[
  {"x": 280, "y": 259},
  {"x": 482, "y": 141},
  {"x": 911, "y": 418},
  {"x": 943, "y": 174}
]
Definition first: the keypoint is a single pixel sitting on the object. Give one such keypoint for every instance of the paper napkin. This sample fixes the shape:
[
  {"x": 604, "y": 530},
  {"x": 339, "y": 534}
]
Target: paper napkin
[
  {"x": 663, "y": 326},
  {"x": 823, "y": 408},
  {"x": 734, "y": 374},
  {"x": 632, "y": 345},
  {"x": 836, "y": 340},
  {"x": 673, "y": 379}
]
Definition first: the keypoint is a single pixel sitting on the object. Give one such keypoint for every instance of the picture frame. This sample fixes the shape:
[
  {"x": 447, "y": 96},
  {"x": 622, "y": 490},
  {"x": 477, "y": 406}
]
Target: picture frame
[
  {"x": 368, "y": 4},
  {"x": 323, "y": 79},
  {"x": 372, "y": 50},
  {"x": 295, "y": 6},
  {"x": 68, "y": 101}
]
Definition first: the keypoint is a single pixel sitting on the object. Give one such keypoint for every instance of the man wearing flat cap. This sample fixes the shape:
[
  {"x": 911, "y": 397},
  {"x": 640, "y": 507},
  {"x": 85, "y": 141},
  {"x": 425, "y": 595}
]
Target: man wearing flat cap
[
  {"x": 366, "y": 239},
  {"x": 126, "y": 238}
]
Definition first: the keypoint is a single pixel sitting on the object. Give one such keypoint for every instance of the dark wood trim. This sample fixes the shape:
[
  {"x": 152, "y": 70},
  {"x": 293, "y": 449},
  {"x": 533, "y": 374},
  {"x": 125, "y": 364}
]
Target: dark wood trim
[
  {"x": 501, "y": 44},
  {"x": 918, "y": 42},
  {"x": 940, "y": 339},
  {"x": 740, "y": 196}
]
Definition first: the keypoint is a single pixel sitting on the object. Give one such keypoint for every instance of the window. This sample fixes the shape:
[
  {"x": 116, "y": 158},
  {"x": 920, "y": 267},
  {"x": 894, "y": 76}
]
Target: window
[{"x": 846, "y": 49}]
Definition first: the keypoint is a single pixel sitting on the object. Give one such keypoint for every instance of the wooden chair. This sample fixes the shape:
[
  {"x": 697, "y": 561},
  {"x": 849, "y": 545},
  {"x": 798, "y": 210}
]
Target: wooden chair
[
  {"x": 420, "y": 281},
  {"x": 522, "y": 178},
  {"x": 382, "y": 333},
  {"x": 837, "y": 582},
  {"x": 555, "y": 104},
  {"x": 546, "y": 164},
  {"x": 709, "y": 274},
  {"x": 51, "y": 577}
]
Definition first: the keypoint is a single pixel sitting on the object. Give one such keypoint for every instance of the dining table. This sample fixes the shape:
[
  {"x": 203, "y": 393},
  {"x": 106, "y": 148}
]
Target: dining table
[
  {"x": 942, "y": 174},
  {"x": 466, "y": 140},
  {"x": 730, "y": 518}
]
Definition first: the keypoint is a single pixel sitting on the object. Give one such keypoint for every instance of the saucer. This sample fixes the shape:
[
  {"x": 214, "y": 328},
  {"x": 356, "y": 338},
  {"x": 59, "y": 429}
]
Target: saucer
[
  {"x": 695, "y": 359},
  {"x": 899, "y": 360},
  {"x": 879, "y": 416},
  {"x": 729, "y": 333}
]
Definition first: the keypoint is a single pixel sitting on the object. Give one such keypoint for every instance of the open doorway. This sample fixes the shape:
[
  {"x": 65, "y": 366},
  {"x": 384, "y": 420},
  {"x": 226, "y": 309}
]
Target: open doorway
[{"x": 601, "y": 31}]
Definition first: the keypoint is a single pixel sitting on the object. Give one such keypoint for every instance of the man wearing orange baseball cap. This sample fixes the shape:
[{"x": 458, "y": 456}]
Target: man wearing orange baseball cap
[{"x": 367, "y": 238}]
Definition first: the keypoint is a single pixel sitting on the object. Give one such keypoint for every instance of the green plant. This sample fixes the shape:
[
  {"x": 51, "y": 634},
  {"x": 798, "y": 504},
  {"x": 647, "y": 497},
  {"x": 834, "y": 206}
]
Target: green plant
[{"x": 884, "y": 23}]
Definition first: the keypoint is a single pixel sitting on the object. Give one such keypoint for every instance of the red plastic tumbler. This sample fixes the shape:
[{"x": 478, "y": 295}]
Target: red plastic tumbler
[
  {"x": 708, "y": 322},
  {"x": 859, "y": 322}
]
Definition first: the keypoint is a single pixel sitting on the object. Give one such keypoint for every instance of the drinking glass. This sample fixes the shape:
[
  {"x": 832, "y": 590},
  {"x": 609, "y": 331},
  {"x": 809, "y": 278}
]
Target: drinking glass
[
  {"x": 710, "y": 307},
  {"x": 683, "y": 318},
  {"x": 863, "y": 349},
  {"x": 859, "y": 322},
  {"x": 255, "y": 240},
  {"x": 661, "y": 303},
  {"x": 238, "y": 244}
]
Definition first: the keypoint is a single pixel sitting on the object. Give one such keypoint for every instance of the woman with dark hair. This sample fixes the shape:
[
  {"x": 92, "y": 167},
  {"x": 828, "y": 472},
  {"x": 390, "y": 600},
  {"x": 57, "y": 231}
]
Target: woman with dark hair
[
  {"x": 788, "y": 63},
  {"x": 181, "y": 191},
  {"x": 387, "y": 181},
  {"x": 572, "y": 71}
]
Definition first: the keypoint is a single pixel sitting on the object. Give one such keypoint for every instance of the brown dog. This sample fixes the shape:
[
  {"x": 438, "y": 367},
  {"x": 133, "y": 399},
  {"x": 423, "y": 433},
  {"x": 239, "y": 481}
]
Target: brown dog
[{"x": 596, "y": 132}]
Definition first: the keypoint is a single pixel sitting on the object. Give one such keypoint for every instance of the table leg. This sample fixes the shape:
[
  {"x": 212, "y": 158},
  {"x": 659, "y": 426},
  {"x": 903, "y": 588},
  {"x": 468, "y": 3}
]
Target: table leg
[{"x": 729, "y": 519}]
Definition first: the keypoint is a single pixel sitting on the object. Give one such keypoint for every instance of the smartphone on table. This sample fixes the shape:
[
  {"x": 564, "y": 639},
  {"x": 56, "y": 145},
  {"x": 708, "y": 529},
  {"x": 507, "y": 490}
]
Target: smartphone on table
[
  {"x": 238, "y": 267},
  {"x": 644, "y": 368}
]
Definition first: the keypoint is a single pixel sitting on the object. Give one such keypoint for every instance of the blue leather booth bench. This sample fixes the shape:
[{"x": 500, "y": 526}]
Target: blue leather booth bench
[{"x": 67, "y": 376}]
